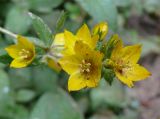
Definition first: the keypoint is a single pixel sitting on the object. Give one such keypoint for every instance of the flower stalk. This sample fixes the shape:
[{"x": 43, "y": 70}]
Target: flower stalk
[{"x": 5, "y": 31}]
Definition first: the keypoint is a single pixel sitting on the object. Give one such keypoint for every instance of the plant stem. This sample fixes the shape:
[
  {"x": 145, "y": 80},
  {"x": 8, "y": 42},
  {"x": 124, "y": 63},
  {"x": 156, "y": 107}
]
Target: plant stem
[{"x": 8, "y": 32}]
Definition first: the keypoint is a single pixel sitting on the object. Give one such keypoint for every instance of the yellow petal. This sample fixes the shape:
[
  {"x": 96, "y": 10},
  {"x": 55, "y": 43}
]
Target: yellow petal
[
  {"x": 101, "y": 29},
  {"x": 59, "y": 39},
  {"x": 70, "y": 63},
  {"x": 94, "y": 41},
  {"x": 18, "y": 63},
  {"x": 138, "y": 73},
  {"x": 53, "y": 64},
  {"x": 124, "y": 79},
  {"x": 131, "y": 53},
  {"x": 76, "y": 82},
  {"x": 13, "y": 51},
  {"x": 70, "y": 40},
  {"x": 94, "y": 78},
  {"x": 118, "y": 46},
  {"x": 82, "y": 49},
  {"x": 135, "y": 73},
  {"x": 25, "y": 43},
  {"x": 84, "y": 35}
]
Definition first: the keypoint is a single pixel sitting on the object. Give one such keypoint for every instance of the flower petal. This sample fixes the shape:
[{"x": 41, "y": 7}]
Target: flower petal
[
  {"x": 101, "y": 29},
  {"x": 76, "y": 82},
  {"x": 19, "y": 63},
  {"x": 136, "y": 73},
  {"x": 82, "y": 49},
  {"x": 84, "y": 35},
  {"x": 13, "y": 50},
  {"x": 70, "y": 63},
  {"x": 118, "y": 46},
  {"x": 131, "y": 53},
  {"x": 70, "y": 40},
  {"x": 53, "y": 64},
  {"x": 25, "y": 43},
  {"x": 94, "y": 41},
  {"x": 59, "y": 39},
  {"x": 94, "y": 78},
  {"x": 124, "y": 79}
]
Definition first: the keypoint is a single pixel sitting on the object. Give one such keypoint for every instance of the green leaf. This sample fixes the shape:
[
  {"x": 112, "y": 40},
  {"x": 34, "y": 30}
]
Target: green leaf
[
  {"x": 51, "y": 18},
  {"x": 105, "y": 95},
  {"x": 123, "y": 3},
  {"x": 152, "y": 6},
  {"x": 74, "y": 11},
  {"x": 19, "y": 112},
  {"x": 42, "y": 29},
  {"x": 44, "y": 5},
  {"x": 25, "y": 95},
  {"x": 6, "y": 99},
  {"x": 4, "y": 83},
  {"x": 101, "y": 10},
  {"x": 109, "y": 75},
  {"x": 4, "y": 57},
  {"x": 17, "y": 20},
  {"x": 21, "y": 78},
  {"x": 37, "y": 41},
  {"x": 57, "y": 105},
  {"x": 44, "y": 79},
  {"x": 61, "y": 21}
]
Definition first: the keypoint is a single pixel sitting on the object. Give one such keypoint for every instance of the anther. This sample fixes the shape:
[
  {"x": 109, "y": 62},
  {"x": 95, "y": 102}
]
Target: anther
[
  {"x": 88, "y": 64},
  {"x": 83, "y": 61},
  {"x": 88, "y": 70}
]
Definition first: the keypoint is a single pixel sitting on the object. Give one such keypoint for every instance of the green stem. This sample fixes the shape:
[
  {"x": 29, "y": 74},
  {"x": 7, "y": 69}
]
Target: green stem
[{"x": 8, "y": 32}]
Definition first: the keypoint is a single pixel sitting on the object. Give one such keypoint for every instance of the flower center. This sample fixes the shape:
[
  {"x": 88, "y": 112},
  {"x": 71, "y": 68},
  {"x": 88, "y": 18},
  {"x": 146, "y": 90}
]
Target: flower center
[
  {"x": 123, "y": 67},
  {"x": 25, "y": 54},
  {"x": 85, "y": 67}
]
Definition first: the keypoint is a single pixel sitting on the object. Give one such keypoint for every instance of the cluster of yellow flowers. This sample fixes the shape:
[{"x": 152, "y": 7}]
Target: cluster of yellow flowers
[{"x": 80, "y": 56}]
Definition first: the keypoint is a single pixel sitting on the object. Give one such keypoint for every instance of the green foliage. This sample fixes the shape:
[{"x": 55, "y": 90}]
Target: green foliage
[
  {"x": 44, "y": 6},
  {"x": 5, "y": 59},
  {"x": 123, "y": 3},
  {"x": 109, "y": 46},
  {"x": 108, "y": 75},
  {"x": 35, "y": 92},
  {"x": 100, "y": 10},
  {"x": 21, "y": 78},
  {"x": 61, "y": 21},
  {"x": 17, "y": 20},
  {"x": 42, "y": 29},
  {"x": 25, "y": 95},
  {"x": 106, "y": 95},
  {"x": 152, "y": 6},
  {"x": 56, "y": 105},
  {"x": 44, "y": 79}
]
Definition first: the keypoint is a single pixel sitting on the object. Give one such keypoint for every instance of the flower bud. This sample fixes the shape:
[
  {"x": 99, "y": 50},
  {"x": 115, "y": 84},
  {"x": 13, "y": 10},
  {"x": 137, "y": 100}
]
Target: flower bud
[{"x": 101, "y": 29}]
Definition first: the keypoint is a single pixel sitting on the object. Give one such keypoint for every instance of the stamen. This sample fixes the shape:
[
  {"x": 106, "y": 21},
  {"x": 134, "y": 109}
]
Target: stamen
[
  {"x": 85, "y": 66},
  {"x": 88, "y": 70},
  {"x": 83, "y": 61},
  {"x": 24, "y": 53}
]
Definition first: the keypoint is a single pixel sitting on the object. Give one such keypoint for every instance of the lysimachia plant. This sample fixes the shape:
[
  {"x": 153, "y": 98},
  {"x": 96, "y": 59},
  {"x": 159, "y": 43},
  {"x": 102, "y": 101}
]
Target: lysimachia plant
[{"x": 86, "y": 56}]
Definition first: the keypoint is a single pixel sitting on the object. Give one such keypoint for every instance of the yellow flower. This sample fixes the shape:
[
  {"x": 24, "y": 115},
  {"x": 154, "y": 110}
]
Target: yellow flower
[
  {"x": 84, "y": 67},
  {"x": 58, "y": 40},
  {"x": 124, "y": 62},
  {"x": 101, "y": 29},
  {"x": 83, "y": 35},
  {"x": 53, "y": 64},
  {"x": 23, "y": 52},
  {"x": 55, "y": 52}
]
